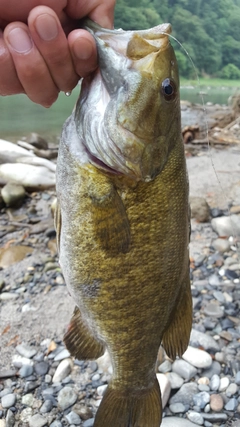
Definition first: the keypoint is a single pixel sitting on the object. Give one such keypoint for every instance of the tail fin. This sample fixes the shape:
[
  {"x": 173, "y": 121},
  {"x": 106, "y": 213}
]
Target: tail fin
[{"x": 141, "y": 409}]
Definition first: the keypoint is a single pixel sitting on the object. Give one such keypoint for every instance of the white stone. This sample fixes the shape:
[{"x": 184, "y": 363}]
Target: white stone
[
  {"x": 63, "y": 370},
  {"x": 224, "y": 383},
  {"x": 176, "y": 422},
  {"x": 66, "y": 397},
  {"x": 37, "y": 421},
  {"x": 101, "y": 389},
  {"x": 36, "y": 177},
  {"x": 175, "y": 380},
  {"x": 197, "y": 358},
  {"x": 26, "y": 415},
  {"x": 227, "y": 225},
  {"x": 19, "y": 361},
  {"x": 2, "y": 423},
  {"x": 8, "y": 400},
  {"x": 165, "y": 387},
  {"x": 195, "y": 417}
]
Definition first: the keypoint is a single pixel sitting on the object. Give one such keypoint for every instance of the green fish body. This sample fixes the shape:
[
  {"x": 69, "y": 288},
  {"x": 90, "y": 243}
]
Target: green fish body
[{"x": 122, "y": 220}]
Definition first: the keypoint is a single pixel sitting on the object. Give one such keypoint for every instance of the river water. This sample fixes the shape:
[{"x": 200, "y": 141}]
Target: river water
[{"x": 19, "y": 116}]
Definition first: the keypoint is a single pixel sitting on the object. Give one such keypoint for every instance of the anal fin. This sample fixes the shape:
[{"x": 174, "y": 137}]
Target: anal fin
[
  {"x": 176, "y": 337},
  {"x": 79, "y": 340}
]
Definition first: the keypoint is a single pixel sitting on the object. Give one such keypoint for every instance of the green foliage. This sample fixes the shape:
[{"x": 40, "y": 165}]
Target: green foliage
[
  {"x": 209, "y": 31},
  {"x": 230, "y": 72}
]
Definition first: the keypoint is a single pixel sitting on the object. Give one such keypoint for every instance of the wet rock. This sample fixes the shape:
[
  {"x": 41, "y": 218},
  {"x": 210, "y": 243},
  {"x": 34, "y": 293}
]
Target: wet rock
[
  {"x": 197, "y": 358},
  {"x": 199, "y": 209},
  {"x": 13, "y": 194}
]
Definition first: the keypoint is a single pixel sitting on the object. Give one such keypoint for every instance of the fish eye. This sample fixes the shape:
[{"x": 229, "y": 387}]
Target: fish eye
[{"x": 169, "y": 89}]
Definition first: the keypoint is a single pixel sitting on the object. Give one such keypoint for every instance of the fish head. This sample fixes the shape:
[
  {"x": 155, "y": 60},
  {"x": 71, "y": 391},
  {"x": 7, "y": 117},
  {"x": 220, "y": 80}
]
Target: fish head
[{"x": 136, "y": 101}]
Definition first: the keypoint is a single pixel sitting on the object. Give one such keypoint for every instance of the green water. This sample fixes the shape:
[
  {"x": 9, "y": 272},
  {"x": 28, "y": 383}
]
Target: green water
[{"x": 19, "y": 116}]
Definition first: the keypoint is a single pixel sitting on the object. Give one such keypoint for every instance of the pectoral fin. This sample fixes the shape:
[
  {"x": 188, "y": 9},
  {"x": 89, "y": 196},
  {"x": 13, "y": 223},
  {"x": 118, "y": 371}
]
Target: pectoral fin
[
  {"x": 112, "y": 227},
  {"x": 176, "y": 337},
  {"x": 79, "y": 340}
]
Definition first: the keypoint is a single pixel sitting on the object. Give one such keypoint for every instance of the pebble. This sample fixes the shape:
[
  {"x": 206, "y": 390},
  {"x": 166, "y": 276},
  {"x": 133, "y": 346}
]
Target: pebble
[
  {"x": 37, "y": 421},
  {"x": 195, "y": 417},
  {"x": 237, "y": 378},
  {"x": 26, "y": 350},
  {"x": 185, "y": 394},
  {"x": 201, "y": 399},
  {"x": 184, "y": 369},
  {"x": 177, "y": 408},
  {"x": 46, "y": 406},
  {"x": 231, "y": 405},
  {"x": 215, "y": 382},
  {"x": 226, "y": 225},
  {"x": 165, "y": 387},
  {"x": 41, "y": 368},
  {"x": 8, "y": 400},
  {"x": 73, "y": 418},
  {"x": 165, "y": 367},
  {"x": 221, "y": 245},
  {"x": 25, "y": 371},
  {"x": 197, "y": 358},
  {"x": 66, "y": 397},
  {"x": 63, "y": 370},
  {"x": 231, "y": 390},
  {"x": 213, "y": 310},
  {"x": 28, "y": 399},
  {"x": 88, "y": 423},
  {"x": 175, "y": 380},
  {"x": 216, "y": 402},
  {"x": 56, "y": 423},
  {"x": 10, "y": 419},
  {"x": 64, "y": 354},
  {"x": 199, "y": 339},
  {"x": 224, "y": 383},
  {"x": 215, "y": 368},
  {"x": 176, "y": 422}
]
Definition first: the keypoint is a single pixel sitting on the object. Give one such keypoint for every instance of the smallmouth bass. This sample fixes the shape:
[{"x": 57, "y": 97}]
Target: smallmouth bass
[{"x": 122, "y": 220}]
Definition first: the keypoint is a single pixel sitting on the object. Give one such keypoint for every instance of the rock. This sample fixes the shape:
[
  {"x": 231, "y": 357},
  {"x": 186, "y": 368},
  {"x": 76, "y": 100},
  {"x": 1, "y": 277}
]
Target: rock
[
  {"x": 224, "y": 383},
  {"x": 46, "y": 406},
  {"x": 9, "y": 152},
  {"x": 63, "y": 370},
  {"x": 64, "y": 354},
  {"x": 185, "y": 394},
  {"x": 28, "y": 399},
  {"x": 12, "y": 254},
  {"x": 26, "y": 415},
  {"x": 175, "y": 380},
  {"x": 8, "y": 400},
  {"x": 6, "y": 296},
  {"x": 231, "y": 405},
  {"x": 177, "y": 408},
  {"x": 237, "y": 378},
  {"x": 88, "y": 423},
  {"x": 2, "y": 423},
  {"x": 215, "y": 368},
  {"x": 13, "y": 194},
  {"x": 215, "y": 382},
  {"x": 197, "y": 358},
  {"x": 37, "y": 421},
  {"x": 165, "y": 367},
  {"x": 165, "y": 387},
  {"x": 66, "y": 397},
  {"x": 216, "y": 402},
  {"x": 201, "y": 399},
  {"x": 227, "y": 226},
  {"x": 10, "y": 419},
  {"x": 231, "y": 390},
  {"x": 38, "y": 161},
  {"x": 101, "y": 389},
  {"x": 215, "y": 418},
  {"x": 56, "y": 423},
  {"x": 41, "y": 368},
  {"x": 221, "y": 245},
  {"x": 37, "y": 141},
  {"x": 31, "y": 177},
  {"x": 213, "y": 310},
  {"x": 73, "y": 418},
  {"x": 25, "y": 371},
  {"x": 26, "y": 350},
  {"x": 195, "y": 417},
  {"x": 199, "y": 209},
  {"x": 176, "y": 422},
  {"x": 184, "y": 369},
  {"x": 199, "y": 339}
]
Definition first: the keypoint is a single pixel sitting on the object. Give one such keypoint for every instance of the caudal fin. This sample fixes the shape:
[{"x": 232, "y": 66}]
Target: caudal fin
[{"x": 141, "y": 409}]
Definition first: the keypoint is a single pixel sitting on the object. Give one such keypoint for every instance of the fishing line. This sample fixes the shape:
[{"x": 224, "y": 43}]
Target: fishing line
[{"x": 206, "y": 126}]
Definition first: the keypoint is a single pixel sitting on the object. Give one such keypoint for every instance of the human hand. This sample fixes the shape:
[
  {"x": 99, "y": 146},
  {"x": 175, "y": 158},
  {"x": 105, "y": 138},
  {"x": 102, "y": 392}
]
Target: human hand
[{"x": 40, "y": 51}]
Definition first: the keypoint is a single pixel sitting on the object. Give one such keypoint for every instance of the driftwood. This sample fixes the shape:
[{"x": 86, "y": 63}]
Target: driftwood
[{"x": 45, "y": 154}]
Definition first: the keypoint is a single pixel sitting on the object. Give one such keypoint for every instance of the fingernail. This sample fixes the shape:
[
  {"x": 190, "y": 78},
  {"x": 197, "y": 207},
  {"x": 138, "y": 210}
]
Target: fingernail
[
  {"x": 46, "y": 26},
  {"x": 19, "y": 40},
  {"x": 82, "y": 48}
]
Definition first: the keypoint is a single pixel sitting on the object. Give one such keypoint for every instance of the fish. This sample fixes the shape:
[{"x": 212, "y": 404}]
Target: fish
[{"x": 122, "y": 220}]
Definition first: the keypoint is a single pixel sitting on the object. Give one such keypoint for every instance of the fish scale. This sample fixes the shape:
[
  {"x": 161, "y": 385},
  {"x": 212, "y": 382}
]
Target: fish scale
[{"x": 123, "y": 237}]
